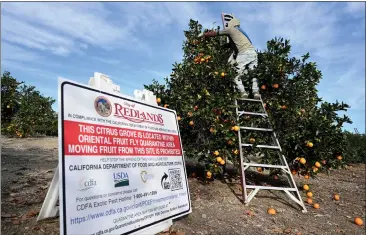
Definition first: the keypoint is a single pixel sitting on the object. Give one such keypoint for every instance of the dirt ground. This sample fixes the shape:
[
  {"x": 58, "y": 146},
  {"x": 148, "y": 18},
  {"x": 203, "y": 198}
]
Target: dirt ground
[{"x": 28, "y": 166}]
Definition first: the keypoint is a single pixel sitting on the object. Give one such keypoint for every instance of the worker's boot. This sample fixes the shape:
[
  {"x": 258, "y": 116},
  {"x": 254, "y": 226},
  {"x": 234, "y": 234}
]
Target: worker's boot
[
  {"x": 241, "y": 89},
  {"x": 255, "y": 89}
]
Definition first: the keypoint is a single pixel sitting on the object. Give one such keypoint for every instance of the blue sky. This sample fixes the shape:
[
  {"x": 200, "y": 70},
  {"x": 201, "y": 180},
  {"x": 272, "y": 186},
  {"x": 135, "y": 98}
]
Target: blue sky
[{"x": 134, "y": 42}]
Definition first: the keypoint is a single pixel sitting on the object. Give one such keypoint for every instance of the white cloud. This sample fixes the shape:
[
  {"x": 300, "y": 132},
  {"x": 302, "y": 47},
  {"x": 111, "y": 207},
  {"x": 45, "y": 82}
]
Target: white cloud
[
  {"x": 106, "y": 60},
  {"x": 22, "y": 33},
  {"x": 158, "y": 15},
  {"x": 62, "y": 51},
  {"x": 11, "y": 52},
  {"x": 65, "y": 24}
]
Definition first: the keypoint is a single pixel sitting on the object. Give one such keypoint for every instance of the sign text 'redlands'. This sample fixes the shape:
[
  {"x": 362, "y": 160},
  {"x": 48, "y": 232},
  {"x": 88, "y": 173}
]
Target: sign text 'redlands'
[{"x": 129, "y": 112}]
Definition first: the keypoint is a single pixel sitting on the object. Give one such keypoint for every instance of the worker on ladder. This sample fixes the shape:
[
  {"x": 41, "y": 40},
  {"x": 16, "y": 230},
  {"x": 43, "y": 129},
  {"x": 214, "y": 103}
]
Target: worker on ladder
[{"x": 244, "y": 53}]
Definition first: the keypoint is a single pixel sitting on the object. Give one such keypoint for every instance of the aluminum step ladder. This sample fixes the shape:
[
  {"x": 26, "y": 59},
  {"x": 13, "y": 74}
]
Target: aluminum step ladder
[{"x": 292, "y": 192}]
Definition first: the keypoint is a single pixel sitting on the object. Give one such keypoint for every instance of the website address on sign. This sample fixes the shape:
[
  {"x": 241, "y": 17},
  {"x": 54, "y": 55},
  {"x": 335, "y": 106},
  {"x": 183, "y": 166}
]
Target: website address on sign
[{"x": 119, "y": 210}]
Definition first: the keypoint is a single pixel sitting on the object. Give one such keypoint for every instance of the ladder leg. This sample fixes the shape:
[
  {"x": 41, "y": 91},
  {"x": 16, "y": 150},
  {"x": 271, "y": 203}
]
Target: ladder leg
[
  {"x": 293, "y": 185},
  {"x": 241, "y": 163},
  {"x": 242, "y": 180}
]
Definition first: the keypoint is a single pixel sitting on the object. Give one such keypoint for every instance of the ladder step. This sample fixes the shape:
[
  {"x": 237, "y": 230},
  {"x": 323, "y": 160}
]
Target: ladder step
[
  {"x": 251, "y": 113},
  {"x": 245, "y": 99},
  {"x": 271, "y": 188},
  {"x": 264, "y": 165},
  {"x": 255, "y": 128},
  {"x": 262, "y": 146}
]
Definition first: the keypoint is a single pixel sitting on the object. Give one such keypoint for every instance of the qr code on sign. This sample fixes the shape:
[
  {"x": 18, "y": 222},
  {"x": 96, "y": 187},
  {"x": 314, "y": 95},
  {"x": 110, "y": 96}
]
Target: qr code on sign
[{"x": 175, "y": 179}]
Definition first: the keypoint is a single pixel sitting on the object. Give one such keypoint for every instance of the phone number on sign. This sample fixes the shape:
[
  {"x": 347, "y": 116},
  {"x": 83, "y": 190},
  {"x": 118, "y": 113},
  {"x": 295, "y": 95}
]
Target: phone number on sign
[{"x": 141, "y": 195}]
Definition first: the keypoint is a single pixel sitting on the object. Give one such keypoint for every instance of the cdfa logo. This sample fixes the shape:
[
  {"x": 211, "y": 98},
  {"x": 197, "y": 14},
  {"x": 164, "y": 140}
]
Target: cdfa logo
[
  {"x": 145, "y": 176},
  {"x": 103, "y": 106},
  {"x": 121, "y": 179},
  {"x": 86, "y": 183}
]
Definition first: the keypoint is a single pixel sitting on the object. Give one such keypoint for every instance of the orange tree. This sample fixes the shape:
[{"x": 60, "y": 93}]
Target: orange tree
[
  {"x": 24, "y": 111},
  {"x": 201, "y": 89}
]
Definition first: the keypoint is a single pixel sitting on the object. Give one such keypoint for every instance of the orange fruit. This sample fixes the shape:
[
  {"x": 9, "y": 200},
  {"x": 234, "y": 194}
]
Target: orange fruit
[
  {"x": 179, "y": 118},
  {"x": 302, "y": 161},
  {"x": 358, "y": 221},
  {"x": 259, "y": 169},
  {"x": 202, "y": 60},
  {"x": 316, "y": 206},
  {"x": 166, "y": 105},
  {"x": 339, "y": 157},
  {"x": 263, "y": 87},
  {"x": 235, "y": 128},
  {"x": 309, "y": 194},
  {"x": 309, "y": 144},
  {"x": 306, "y": 187},
  {"x": 309, "y": 201},
  {"x": 208, "y": 174},
  {"x": 283, "y": 107},
  {"x": 191, "y": 123},
  {"x": 251, "y": 140},
  {"x": 222, "y": 74},
  {"x": 275, "y": 86},
  {"x": 216, "y": 153},
  {"x": 218, "y": 159},
  {"x": 317, "y": 164},
  {"x": 307, "y": 177},
  {"x": 336, "y": 197},
  {"x": 271, "y": 211},
  {"x": 158, "y": 100},
  {"x": 212, "y": 129},
  {"x": 222, "y": 162},
  {"x": 294, "y": 172},
  {"x": 189, "y": 114}
]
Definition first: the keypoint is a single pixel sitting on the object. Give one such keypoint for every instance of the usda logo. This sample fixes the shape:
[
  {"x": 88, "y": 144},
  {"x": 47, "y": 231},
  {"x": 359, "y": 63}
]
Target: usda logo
[{"x": 121, "y": 179}]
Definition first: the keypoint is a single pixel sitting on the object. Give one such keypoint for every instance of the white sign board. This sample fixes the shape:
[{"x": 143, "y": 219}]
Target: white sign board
[{"x": 121, "y": 163}]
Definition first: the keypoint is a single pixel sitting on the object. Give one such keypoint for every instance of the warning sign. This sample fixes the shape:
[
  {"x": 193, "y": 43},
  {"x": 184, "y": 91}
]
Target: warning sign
[{"x": 122, "y": 166}]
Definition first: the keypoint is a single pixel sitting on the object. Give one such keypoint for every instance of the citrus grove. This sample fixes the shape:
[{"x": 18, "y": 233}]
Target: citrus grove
[
  {"x": 24, "y": 110},
  {"x": 201, "y": 90}
]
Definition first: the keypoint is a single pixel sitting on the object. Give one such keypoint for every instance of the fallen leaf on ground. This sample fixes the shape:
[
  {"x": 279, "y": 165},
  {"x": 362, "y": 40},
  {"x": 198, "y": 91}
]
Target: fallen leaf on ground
[
  {"x": 16, "y": 222},
  {"x": 32, "y": 213},
  {"x": 8, "y": 216}
]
